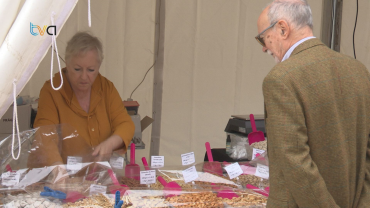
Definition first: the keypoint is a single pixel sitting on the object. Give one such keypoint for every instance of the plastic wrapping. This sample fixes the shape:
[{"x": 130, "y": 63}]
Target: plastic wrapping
[
  {"x": 192, "y": 198},
  {"x": 205, "y": 180},
  {"x": 53, "y": 158},
  {"x": 238, "y": 146},
  {"x": 256, "y": 148},
  {"x": 255, "y": 173}
]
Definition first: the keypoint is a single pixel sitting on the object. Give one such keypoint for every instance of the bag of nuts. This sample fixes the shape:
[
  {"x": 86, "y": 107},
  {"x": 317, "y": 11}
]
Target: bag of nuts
[
  {"x": 256, "y": 148},
  {"x": 255, "y": 172}
]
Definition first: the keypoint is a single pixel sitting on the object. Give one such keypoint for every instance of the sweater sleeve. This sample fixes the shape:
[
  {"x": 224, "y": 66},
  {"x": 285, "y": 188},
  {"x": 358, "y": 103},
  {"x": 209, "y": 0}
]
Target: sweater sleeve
[
  {"x": 45, "y": 151},
  {"x": 121, "y": 122},
  {"x": 47, "y": 113}
]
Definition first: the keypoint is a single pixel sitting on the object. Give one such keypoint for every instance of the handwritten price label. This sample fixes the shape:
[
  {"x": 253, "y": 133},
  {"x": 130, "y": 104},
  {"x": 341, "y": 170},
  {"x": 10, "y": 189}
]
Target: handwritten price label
[
  {"x": 10, "y": 178},
  {"x": 262, "y": 171},
  {"x": 157, "y": 161},
  {"x": 117, "y": 162},
  {"x": 257, "y": 151},
  {"x": 147, "y": 177},
  {"x": 234, "y": 170},
  {"x": 190, "y": 174},
  {"x": 188, "y": 158},
  {"x": 97, "y": 189},
  {"x": 74, "y": 164}
]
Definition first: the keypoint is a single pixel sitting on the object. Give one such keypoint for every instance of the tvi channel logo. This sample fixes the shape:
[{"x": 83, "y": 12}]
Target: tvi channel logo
[{"x": 42, "y": 31}]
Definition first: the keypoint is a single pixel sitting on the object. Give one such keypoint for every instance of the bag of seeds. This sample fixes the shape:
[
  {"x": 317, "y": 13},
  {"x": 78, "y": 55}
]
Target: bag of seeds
[
  {"x": 255, "y": 149},
  {"x": 255, "y": 172}
]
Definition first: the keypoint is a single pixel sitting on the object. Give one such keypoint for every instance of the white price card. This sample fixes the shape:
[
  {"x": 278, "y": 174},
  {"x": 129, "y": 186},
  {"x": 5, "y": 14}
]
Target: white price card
[
  {"x": 190, "y": 174},
  {"x": 262, "y": 171},
  {"x": 157, "y": 161},
  {"x": 117, "y": 162},
  {"x": 234, "y": 170},
  {"x": 74, "y": 164},
  {"x": 147, "y": 177},
  {"x": 257, "y": 151},
  {"x": 10, "y": 205},
  {"x": 188, "y": 158},
  {"x": 97, "y": 189},
  {"x": 10, "y": 178}
]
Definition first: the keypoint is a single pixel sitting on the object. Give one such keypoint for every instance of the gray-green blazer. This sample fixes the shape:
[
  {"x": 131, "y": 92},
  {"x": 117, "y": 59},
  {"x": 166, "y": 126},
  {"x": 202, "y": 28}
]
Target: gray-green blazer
[{"x": 317, "y": 106}]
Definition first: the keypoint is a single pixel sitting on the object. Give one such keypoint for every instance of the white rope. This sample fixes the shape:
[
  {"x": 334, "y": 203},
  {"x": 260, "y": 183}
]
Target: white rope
[
  {"x": 89, "y": 13},
  {"x": 15, "y": 122},
  {"x": 54, "y": 41}
]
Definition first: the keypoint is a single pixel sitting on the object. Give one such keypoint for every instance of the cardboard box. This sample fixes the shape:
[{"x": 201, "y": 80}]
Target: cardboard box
[
  {"x": 140, "y": 125},
  {"x": 24, "y": 119}
]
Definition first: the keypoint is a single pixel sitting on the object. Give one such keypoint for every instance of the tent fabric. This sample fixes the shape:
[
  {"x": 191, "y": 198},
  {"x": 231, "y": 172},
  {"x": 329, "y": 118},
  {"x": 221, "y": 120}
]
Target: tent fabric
[
  {"x": 212, "y": 66},
  {"x": 126, "y": 30},
  {"x": 8, "y": 13},
  {"x": 362, "y": 36},
  {"x": 21, "y": 52}
]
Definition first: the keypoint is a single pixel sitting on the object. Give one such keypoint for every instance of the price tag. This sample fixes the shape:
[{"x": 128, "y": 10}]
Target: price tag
[
  {"x": 190, "y": 174},
  {"x": 74, "y": 164},
  {"x": 35, "y": 175},
  {"x": 188, "y": 158},
  {"x": 97, "y": 189},
  {"x": 257, "y": 151},
  {"x": 157, "y": 161},
  {"x": 234, "y": 170},
  {"x": 10, "y": 178},
  {"x": 262, "y": 171},
  {"x": 117, "y": 162},
  {"x": 147, "y": 177},
  {"x": 10, "y": 205}
]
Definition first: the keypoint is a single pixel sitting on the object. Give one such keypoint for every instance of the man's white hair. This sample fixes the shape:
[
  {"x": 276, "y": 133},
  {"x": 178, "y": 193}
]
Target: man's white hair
[{"x": 296, "y": 12}]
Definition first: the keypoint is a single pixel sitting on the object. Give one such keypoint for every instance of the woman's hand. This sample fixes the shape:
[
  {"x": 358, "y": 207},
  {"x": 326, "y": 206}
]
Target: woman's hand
[{"x": 106, "y": 148}]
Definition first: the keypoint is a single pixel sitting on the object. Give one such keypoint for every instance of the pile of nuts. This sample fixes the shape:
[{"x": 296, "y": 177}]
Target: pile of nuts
[
  {"x": 247, "y": 200},
  {"x": 98, "y": 200},
  {"x": 205, "y": 199},
  {"x": 169, "y": 178},
  {"x": 147, "y": 201},
  {"x": 248, "y": 179},
  {"x": 31, "y": 200},
  {"x": 206, "y": 180},
  {"x": 260, "y": 145},
  {"x": 130, "y": 182}
]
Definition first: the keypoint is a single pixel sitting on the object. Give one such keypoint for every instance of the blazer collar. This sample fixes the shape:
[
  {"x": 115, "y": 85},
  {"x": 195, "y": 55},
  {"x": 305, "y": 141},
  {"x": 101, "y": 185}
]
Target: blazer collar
[{"x": 306, "y": 45}]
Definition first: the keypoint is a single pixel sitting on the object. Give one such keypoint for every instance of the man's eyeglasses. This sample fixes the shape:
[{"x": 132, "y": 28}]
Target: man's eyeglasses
[{"x": 260, "y": 39}]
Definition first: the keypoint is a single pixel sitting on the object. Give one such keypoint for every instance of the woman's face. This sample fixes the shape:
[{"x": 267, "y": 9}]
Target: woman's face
[{"x": 82, "y": 70}]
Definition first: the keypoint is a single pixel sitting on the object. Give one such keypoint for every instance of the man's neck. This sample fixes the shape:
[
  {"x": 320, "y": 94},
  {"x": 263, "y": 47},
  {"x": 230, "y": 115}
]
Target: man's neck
[{"x": 299, "y": 35}]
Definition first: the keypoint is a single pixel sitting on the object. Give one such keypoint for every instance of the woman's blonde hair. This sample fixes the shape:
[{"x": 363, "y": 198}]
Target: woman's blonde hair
[{"x": 82, "y": 42}]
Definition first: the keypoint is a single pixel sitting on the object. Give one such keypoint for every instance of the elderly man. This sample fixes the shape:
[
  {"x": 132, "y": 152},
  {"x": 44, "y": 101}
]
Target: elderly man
[{"x": 317, "y": 104}]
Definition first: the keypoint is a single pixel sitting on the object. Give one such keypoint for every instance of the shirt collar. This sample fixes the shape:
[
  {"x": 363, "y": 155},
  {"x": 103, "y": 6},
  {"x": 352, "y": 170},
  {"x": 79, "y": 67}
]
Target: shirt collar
[{"x": 291, "y": 49}]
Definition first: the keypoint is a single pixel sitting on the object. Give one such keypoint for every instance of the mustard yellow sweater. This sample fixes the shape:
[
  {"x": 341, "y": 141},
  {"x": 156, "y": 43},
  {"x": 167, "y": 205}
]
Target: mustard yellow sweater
[{"x": 107, "y": 116}]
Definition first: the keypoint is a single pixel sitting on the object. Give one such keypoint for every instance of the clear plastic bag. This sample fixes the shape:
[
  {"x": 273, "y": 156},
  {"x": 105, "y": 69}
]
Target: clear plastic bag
[
  {"x": 255, "y": 173},
  {"x": 58, "y": 158},
  {"x": 238, "y": 146},
  {"x": 193, "y": 198}
]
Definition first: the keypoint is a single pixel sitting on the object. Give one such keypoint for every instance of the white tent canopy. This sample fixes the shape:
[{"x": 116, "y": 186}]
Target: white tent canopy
[
  {"x": 20, "y": 51},
  {"x": 209, "y": 65}
]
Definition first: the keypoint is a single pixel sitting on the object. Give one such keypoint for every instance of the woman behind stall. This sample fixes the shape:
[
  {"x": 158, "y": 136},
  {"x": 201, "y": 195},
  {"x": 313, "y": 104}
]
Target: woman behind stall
[{"x": 87, "y": 101}]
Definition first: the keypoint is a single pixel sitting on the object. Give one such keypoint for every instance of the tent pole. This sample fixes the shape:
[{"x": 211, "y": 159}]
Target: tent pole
[{"x": 158, "y": 77}]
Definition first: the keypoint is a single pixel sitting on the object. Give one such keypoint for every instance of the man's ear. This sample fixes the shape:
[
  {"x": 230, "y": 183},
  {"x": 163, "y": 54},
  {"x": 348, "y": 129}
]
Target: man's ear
[{"x": 284, "y": 29}]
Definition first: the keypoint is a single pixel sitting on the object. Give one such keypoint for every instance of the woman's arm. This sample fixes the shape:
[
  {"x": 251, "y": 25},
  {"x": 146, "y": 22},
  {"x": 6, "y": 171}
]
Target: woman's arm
[
  {"x": 47, "y": 152},
  {"x": 122, "y": 126}
]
